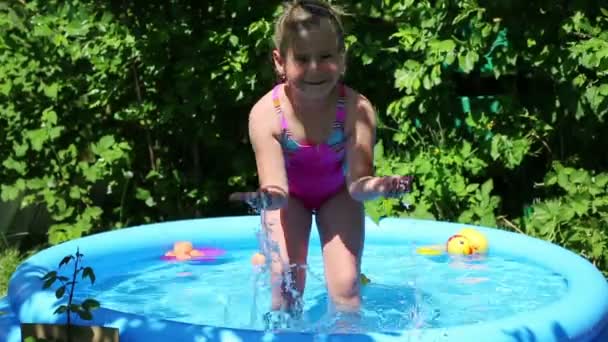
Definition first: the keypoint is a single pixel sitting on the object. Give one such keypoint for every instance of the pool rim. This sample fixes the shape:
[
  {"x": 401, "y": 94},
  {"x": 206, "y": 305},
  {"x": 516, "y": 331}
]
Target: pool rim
[{"x": 579, "y": 315}]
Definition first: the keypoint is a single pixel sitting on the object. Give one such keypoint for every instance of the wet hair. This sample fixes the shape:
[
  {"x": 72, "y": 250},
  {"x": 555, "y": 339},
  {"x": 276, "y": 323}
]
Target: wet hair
[{"x": 302, "y": 14}]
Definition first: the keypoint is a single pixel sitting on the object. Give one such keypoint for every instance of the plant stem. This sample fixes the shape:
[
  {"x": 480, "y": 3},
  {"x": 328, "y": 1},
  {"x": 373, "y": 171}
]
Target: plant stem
[
  {"x": 69, "y": 310},
  {"x": 122, "y": 201},
  {"x": 148, "y": 136},
  {"x": 511, "y": 224}
]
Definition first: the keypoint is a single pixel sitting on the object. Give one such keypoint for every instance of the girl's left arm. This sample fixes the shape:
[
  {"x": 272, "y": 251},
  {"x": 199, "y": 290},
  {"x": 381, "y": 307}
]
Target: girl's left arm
[
  {"x": 361, "y": 130},
  {"x": 361, "y": 182}
]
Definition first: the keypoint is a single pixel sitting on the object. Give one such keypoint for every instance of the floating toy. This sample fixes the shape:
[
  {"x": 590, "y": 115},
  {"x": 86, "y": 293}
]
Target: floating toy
[
  {"x": 458, "y": 244},
  {"x": 476, "y": 239},
  {"x": 467, "y": 241},
  {"x": 434, "y": 250},
  {"x": 185, "y": 251},
  {"x": 258, "y": 259}
]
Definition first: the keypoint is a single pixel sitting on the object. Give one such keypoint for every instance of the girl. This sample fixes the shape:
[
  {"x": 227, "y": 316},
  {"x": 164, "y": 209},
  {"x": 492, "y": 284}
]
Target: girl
[{"x": 313, "y": 140}]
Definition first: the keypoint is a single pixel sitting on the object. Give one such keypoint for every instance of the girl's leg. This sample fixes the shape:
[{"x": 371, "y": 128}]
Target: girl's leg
[
  {"x": 341, "y": 228},
  {"x": 289, "y": 230}
]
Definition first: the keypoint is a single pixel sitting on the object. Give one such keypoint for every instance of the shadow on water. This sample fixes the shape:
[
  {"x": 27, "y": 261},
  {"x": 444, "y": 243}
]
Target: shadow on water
[
  {"x": 25, "y": 284},
  {"x": 28, "y": 298},
  {"x": 558, "y": 333},
  {"x": 396, "y": 303},
  {"x": 8, "y": 321}
]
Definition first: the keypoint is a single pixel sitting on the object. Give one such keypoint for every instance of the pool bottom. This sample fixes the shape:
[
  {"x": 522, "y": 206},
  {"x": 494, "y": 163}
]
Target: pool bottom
[{"x": 579, "y": 315}]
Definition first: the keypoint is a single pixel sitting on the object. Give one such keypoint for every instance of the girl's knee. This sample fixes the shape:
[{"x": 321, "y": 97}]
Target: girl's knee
[{"x": 345, "y": 285}]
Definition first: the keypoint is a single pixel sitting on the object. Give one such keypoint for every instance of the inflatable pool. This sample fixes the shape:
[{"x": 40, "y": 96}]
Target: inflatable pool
[{"x": 524, "y": 289}]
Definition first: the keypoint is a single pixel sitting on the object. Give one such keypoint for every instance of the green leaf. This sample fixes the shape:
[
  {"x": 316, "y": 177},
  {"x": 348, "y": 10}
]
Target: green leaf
[
  {"x": 49, "y": 275},
  {"x": 597, "y": 250},
  {"x": 550, "y": 178},
  {"x": 601, "y": 180},
  {"x": 20, "y": 149},
  {"x": 91, "y": 213},
  {"x": 366, "y": 59},
  {"x": 444, "y": 46},
  {"x": 580, "y": 204},
  {"x": 85, "y": 315},
  {"x": 563, "y": 180},
  {"x": 234, "y": 40},
  {"x": 467, "y": 62},
  {"x": 426, "y": 82},
  {"x": 75, "y": 192},
  {"x": 579, "y": 177},
  {"x": 566, "y": 214},
  {"x": 90, "y": 304},
  {"x": 12, "y": 164},
  {"x": 379, "y": 151},
  {"x": 472, "y": 187},
  {"x": 51, "y": 90},
  {"x": 49, "y": 117},
  {"x": 142, "y": 194},
  {"x": 9, "y": 193},
  {"x": 547, "y": 211},
  {"x": 37, "y": 138},
  {"x": 373, "y": 210},
  {"x": 60, "y": 292},
  {"x": 105, "y": 143},
  {"x": 60, "y": 310},
  {"x": 150, "y": 202},
  {"x": 66, "y": 260},
  {"x": 88, "y": 272},
  {"x": 487, "y": 187},
  {"x": 466, "y": 149},
  {"x": 458, "y": 187},
  {"x": 5, "y": 88},
  {"x": 48, "y": 283}
]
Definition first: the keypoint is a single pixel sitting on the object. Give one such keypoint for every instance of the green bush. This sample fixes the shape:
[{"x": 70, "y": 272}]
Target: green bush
[{"x": 118, "y": 113}]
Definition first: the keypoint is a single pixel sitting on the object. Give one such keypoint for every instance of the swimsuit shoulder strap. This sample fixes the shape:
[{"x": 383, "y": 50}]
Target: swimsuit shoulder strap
[
  {"x": 341, "y": 107},
  {"x": 277, "y": 105}
]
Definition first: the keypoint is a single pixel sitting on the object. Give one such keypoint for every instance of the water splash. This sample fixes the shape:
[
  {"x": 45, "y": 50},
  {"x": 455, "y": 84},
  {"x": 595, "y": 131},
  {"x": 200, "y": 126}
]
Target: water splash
[{"x": 284, "y": 317}]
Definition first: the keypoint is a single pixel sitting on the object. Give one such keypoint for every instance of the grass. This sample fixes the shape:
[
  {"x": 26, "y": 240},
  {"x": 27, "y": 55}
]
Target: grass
[{"x": 10, "y": 258}]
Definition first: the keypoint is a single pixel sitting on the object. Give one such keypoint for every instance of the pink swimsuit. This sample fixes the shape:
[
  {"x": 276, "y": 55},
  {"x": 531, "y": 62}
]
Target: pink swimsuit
[{"x": 315, "y": 172}]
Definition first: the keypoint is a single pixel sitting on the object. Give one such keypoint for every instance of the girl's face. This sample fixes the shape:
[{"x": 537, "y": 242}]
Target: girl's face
[{"x": 313, "y": 63}]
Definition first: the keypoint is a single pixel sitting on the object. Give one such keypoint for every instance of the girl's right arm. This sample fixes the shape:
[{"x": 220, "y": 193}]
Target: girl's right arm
[{"x": 263, "y": 133}]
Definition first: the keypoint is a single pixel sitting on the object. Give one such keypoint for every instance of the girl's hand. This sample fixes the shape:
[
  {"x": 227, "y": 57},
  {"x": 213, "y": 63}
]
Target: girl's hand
[
  {"x": 270, "y": 197},
  {"x": 394, "y": 186}
]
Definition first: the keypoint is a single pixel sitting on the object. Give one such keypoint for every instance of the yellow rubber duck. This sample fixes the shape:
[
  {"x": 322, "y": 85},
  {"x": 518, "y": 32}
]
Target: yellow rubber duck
[
  {"x": 458, "y": 244},
  {"x": 476, "y": 239}
]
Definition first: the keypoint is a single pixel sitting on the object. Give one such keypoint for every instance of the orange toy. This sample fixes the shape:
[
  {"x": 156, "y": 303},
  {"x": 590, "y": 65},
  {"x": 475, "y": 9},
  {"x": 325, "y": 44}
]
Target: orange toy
[
  {"x": 183, "y": 250},
  {"x": 258, "y": 259}
]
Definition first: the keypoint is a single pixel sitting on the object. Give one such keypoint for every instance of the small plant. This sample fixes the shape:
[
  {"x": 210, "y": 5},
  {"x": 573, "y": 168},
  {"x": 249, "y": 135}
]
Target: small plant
[{"x": 83, "y": 310}]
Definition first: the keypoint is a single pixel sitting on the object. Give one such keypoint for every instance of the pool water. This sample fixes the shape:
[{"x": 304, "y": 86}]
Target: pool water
[{"x": 406, "y": 291}]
